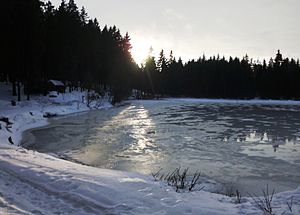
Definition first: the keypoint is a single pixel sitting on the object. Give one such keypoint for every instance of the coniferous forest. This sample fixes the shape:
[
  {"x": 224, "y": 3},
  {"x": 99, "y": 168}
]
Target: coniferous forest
[{"x": 42, "y": 42}]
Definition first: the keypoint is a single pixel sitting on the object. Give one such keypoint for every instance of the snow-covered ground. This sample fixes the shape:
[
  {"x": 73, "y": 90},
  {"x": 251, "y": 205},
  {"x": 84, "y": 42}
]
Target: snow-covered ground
[
  {"x": 30, "y": 114},
  {"x": 233, "y": 101},
  {"x": 35, "y": 183}
]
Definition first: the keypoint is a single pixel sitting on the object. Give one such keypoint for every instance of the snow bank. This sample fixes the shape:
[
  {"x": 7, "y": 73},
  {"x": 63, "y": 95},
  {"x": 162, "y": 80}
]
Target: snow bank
[
  {"x": 232, "y": 101},
  {"x": 41, "y": 184},
  {"x": 35, "y": 183},
  {"x": 30, "y": 114},
  {"x": 89, "y": 190}
]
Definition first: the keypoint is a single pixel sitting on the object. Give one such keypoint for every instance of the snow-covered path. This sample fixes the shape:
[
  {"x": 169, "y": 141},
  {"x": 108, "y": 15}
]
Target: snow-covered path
[
  {"x": 34, "y": 183},
  {"x": 41, "y": 184},
  {"x": 33, "y": 188}
]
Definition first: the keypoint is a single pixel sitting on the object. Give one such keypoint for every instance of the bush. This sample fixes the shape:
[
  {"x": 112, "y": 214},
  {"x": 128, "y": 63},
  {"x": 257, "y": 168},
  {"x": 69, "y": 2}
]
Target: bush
[
  {"x": 180, "y": 180},
  {"x": 264, "y": 203}
]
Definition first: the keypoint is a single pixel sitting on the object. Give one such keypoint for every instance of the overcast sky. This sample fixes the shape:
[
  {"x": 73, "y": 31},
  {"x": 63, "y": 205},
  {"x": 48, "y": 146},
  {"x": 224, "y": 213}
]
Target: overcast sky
[{"x": 193, "y": 27}]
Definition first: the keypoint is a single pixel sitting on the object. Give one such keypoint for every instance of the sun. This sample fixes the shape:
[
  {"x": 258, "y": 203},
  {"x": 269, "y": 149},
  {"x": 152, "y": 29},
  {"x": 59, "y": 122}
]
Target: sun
[{"x": 140, "y": 49}]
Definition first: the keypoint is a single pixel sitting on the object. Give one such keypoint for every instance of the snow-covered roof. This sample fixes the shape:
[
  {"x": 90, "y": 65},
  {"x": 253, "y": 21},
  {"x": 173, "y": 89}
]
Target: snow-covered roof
[{"x": 56, "y": 83}]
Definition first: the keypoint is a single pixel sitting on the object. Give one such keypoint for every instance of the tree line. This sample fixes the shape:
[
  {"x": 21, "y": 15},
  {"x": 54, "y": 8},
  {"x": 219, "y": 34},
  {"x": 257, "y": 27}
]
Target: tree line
[
  {"x": 217, "y": 77},
  {"x": 42, "y": 42}
]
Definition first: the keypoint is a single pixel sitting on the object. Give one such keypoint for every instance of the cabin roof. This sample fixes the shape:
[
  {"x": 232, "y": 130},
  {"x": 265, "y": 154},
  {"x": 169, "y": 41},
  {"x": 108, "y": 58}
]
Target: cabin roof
[{"x": 56, "y": 83}]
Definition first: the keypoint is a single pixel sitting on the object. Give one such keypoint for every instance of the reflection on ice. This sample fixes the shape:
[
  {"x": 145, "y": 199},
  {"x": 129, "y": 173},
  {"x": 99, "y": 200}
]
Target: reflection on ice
[
  {"x": 142, "y": 128},
  {"x": 266, "y": 146},
  {"x": 265, "y": 137},
  {"x": 275, "y": 147},
  {"x": 254, "y": 137},
  {"x": 142, "y": 150},
  {"x": 287, "y": 150}
]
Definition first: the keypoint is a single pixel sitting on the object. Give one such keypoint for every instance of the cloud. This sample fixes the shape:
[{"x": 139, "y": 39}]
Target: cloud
[{"x": 192, "y": 27}]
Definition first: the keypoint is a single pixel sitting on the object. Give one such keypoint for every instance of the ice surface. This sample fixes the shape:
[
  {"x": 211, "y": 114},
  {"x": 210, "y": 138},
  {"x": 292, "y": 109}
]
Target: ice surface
[{"x": 242, "y": 146}]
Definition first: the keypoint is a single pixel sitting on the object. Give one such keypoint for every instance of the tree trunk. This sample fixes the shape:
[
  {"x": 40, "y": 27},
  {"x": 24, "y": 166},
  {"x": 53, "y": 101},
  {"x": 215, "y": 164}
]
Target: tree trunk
[
  {"x": 19, "y": 91},
  {"x": 27, "y": 86},
  {"x": 28, "y": 92},
  {"x": 14, "y": 88},
  {"x": 6, "y": 79}
]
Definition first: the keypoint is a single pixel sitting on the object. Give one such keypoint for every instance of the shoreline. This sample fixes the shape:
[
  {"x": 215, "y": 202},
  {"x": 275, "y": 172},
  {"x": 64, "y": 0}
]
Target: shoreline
[
  {"x": 102, "y": 190},
  {"x": 27, "y": 115},
  {"x": 228, "y": 101}
]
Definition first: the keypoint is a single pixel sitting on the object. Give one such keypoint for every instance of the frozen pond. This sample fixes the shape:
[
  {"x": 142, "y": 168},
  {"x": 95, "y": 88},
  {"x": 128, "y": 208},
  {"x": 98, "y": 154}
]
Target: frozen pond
[{"x": 244, "y": 146}]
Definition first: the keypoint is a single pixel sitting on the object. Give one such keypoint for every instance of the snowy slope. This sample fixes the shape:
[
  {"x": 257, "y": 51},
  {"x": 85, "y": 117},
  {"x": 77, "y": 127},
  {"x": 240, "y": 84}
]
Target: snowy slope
[
  {"x": 35, "y": 183},
  {"x": 35, "y": 180},
  {"x": 29, "y": 114},
  {"x": 40, "y": 184}
]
